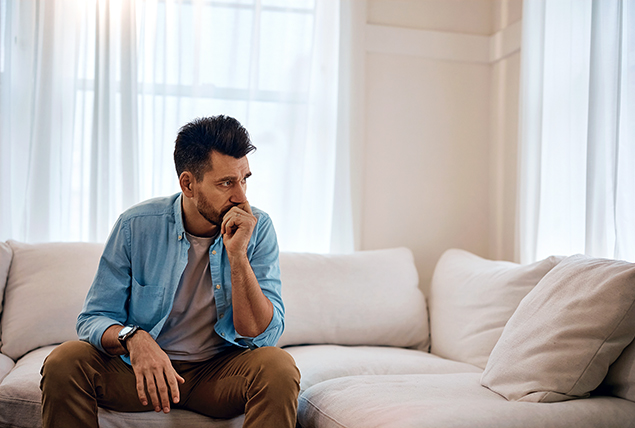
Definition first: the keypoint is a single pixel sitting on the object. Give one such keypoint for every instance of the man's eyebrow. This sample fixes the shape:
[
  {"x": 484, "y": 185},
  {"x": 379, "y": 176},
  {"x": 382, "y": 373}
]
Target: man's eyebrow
[{"x": 232, "y": 177}]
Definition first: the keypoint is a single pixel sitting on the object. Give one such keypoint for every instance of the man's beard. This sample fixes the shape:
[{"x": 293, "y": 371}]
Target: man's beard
[{"x": 210, "y": 213}]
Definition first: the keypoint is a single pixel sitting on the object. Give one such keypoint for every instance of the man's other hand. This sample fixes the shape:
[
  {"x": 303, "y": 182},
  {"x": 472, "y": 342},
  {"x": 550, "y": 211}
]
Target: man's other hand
[
  {"x": 154, "y": 372},
  {"x": 236, "y": 228}
]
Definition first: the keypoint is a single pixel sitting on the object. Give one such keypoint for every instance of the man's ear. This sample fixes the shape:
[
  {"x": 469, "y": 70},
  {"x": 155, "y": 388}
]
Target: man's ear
[{"x": 186, "y": 181}]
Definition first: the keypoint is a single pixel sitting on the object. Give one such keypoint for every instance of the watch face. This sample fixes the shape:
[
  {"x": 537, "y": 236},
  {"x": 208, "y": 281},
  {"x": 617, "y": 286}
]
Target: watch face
[{"x": 127, "y": 329}]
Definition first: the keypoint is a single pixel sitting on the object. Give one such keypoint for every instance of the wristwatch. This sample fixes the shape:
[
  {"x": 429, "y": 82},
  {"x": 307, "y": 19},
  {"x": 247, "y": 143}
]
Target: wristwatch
[{"x": 125, "y": 334}]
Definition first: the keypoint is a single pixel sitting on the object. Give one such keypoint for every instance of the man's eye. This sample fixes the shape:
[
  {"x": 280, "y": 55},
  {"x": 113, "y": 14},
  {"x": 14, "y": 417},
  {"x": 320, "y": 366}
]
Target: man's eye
[{"x": 226, "y": 183}]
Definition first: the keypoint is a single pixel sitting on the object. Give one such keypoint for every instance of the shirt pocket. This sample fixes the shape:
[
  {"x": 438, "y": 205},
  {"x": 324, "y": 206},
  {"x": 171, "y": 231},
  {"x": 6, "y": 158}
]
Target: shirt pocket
[{"x": 146, "y": 303}]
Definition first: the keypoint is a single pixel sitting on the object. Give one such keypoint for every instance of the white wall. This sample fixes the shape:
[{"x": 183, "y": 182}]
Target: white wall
[
  {"x": 437, "y": 160},
  {"x": 505, "y": 85}
]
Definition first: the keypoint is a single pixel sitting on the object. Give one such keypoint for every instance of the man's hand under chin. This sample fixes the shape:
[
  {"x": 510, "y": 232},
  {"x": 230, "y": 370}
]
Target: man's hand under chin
[{"x": 236, "y": 228}]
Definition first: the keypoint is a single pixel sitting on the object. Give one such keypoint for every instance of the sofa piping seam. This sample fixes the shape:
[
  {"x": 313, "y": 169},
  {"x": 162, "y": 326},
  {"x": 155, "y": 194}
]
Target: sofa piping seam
[
  {"x": 19, "y": 400},
  {"x": 315, "y": 406}
]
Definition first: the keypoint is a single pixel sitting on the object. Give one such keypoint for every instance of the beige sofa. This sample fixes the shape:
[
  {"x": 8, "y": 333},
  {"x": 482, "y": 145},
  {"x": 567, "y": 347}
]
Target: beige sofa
[{"x": 373, "y": 352}]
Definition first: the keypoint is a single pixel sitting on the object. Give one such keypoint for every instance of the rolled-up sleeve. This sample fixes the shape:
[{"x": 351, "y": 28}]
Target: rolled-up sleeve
[{"x": 106, "y": 302}]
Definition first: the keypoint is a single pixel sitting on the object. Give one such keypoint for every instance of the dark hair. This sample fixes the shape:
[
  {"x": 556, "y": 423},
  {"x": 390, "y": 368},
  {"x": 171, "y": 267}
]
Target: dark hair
[{"x": 197, "y": 139}]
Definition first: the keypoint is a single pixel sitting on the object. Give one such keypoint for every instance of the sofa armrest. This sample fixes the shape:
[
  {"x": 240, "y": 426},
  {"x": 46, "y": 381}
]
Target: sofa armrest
[{"x": 6, "y": 254}]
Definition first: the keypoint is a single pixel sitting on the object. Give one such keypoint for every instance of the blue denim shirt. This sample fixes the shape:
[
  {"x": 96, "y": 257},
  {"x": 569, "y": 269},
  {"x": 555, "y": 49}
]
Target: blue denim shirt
[{"x": 142, "y": 263}]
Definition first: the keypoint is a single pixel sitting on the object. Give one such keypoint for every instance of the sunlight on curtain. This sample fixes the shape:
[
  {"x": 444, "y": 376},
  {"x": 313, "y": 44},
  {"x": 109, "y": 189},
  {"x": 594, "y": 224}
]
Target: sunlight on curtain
[
  {"x": 577, "y": 131},
  {"x": 92, "y": 94}
]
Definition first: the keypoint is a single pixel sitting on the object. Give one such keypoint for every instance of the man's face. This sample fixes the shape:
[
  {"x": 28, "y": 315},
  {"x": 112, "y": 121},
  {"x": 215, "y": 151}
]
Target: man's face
[{"x": 222, "y": 187}]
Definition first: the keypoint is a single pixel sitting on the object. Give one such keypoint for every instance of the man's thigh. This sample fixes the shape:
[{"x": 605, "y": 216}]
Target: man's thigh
[
  {"x": 110, "y": 379},
  {"x": 223, "y": 386},
  {"x": 119, "y": 388}
]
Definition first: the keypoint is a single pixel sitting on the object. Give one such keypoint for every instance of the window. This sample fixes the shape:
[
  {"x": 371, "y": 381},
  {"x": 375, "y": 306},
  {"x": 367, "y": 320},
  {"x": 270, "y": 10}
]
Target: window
[{"x": 114, "y": 81}]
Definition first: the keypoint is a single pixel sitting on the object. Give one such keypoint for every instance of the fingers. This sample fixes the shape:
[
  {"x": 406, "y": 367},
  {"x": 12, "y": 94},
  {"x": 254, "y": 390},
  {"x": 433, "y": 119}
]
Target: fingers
[
  {"x": 232, "y": 220},
  {"x": 141, "y": 389},
  {"x": 159, "y": 387},
  {"x": 236, "y": 216},
  {"x": 164, "y": 395},
  {"x": 230, "y": 224},
  {"x": 179, "y": 379},
  {"x": 145, "y": 383},
  {"x": 245, "y": 207},
  {"x": 223, "y": 225},
  {"x": 173, "y": 382}
]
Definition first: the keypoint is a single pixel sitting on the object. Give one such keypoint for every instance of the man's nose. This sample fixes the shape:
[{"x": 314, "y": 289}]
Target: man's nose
[{"x": 239, "y": 195}]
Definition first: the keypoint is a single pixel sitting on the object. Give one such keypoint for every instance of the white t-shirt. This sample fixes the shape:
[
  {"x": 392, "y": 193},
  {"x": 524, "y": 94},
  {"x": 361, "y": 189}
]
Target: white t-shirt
[{"x": 188, "y": 333}]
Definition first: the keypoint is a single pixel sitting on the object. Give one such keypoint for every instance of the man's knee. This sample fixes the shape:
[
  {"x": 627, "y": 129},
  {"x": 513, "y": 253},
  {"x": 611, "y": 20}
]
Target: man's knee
[
  {"x": 66, "y": 361},
  {"x": 277, "y": 367}
]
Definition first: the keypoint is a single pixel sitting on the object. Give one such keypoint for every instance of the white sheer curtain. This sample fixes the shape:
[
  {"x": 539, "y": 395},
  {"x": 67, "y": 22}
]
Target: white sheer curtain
[
  {"x": 93, "y": 92},
  {"x": 577, "y": 131}
]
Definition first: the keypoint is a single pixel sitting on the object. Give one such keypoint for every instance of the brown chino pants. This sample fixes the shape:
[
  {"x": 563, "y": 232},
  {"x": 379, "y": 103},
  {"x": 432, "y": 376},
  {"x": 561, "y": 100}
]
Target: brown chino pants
[{"x": 263, "y": 383}]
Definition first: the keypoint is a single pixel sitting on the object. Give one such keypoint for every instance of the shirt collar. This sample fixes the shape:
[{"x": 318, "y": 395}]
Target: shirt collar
[{"x": 178, "y": 216}]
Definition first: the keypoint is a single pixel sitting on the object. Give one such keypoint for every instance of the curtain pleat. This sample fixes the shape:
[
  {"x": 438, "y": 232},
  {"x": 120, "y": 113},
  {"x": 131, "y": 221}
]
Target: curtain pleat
[{"x": 576, "y": 133}]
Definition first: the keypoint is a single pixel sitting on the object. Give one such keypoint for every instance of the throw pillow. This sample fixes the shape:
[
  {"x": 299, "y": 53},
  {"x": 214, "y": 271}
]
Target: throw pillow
[
  {"x": 471, "y": 300},
  {"x": 565, "y": 334},
  {"x": 620, "y": 381}
]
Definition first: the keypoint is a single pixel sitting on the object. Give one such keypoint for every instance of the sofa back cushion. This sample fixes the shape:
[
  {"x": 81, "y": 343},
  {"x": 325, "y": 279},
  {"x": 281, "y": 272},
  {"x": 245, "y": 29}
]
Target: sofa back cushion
[
  {"x": 471, "y": 300},
  {"x": 5, "y": 261},
  {"x": 364, "y": 298},
  {"x": 45, "y": 291}
]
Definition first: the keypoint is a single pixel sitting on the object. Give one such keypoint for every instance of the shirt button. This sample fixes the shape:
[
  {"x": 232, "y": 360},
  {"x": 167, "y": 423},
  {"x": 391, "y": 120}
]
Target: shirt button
[
  {"x": 222, "y": 334},
  {"x": 218, "y": 286},
  {"x": 180, "y": 237},
  {"x": 214, "y": 252},
  {"x": 222, "y": 315}
]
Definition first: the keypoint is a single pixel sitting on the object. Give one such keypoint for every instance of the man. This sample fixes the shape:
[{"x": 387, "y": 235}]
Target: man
[{"x": 185, "y": 308}]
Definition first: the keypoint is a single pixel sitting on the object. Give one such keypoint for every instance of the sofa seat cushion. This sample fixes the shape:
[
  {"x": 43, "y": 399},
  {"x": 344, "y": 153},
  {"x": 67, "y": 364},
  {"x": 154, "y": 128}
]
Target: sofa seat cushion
[
  {"x": 176, "y": 418},
  {"x": 318, "y": 363},
  {"x": 21, "y": 400},
  {"x": 446, "y": 400},
  {"x": 20, "y": 396},
  {"x": 6, "y": 365}
]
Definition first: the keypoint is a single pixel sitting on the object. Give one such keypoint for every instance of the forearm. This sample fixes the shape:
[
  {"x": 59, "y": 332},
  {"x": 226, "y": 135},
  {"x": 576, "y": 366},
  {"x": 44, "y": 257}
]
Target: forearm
[
  {"x": 252, "y": 310},
  {"x": 110, "y": 341}
]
